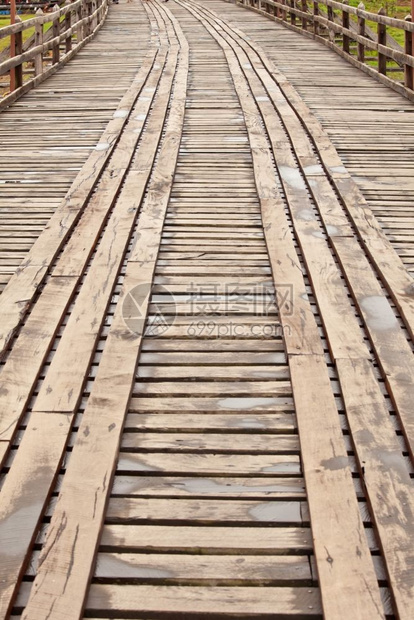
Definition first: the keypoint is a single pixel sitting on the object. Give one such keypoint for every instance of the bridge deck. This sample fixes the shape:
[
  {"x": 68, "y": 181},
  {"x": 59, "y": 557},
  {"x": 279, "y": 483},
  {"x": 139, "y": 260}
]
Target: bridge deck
[
  {"x": 371, "y": 127},
  {"x": 207, "y": 382}
]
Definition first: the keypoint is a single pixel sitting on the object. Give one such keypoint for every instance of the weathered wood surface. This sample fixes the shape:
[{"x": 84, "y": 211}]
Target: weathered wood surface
[
  {"x": 371, "y": 127},
  {"x": 47, "y": 136},
  {"x": 210, "y": 390}
]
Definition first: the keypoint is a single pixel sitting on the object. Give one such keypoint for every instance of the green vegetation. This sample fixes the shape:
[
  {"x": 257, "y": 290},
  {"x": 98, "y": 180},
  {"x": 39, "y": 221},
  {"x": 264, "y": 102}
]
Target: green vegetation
[
  {"x": 392, "y": 9},
  {"x": 5, "y": 21}
]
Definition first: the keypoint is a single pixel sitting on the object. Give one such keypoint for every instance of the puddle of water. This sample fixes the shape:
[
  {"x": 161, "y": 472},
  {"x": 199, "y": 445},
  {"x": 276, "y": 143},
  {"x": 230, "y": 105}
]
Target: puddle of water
[
  {"x": 292, "y": 177},
  {"x": 380, "y": 316},
  {"x": 248, "y": 423},
  {"x": 316, "y": 169},
  {"x": 120, "y": 114},
  {"x": 332, "y": 230},
  {"x": 318, "y": 234},
  {"x": 307, "y": 215},
  {"x": 338, "y": 169},
  {"x": 103, "y": 146}
]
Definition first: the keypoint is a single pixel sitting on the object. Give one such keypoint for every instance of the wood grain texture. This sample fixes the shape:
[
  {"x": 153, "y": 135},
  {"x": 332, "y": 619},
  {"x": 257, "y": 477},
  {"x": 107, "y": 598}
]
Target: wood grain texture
[
  {"x": 236, "y": 436},
  {"x": 310, "y": 371},
  {"x": 61, "y": 555},
  {"x": 24, "y": 495},
  {"x": 377, "y": 445},
  {"x": 190, "y": 600},
  {"x": 50, "y": 176}
]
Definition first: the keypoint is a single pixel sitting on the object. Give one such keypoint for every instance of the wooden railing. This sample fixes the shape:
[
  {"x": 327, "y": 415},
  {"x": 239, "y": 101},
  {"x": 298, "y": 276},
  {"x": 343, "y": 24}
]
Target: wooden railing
[
  {"x": 344, "y": 29},
  {"x": 55, "y": 38},
  {"x": 24, "y": 6}
]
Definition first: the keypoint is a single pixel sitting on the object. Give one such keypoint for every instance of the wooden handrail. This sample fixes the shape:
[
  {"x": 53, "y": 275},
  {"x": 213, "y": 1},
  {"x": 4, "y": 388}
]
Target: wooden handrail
[
  {"x": 348, "y": 34},
  {"x": 72, "y": 26}
]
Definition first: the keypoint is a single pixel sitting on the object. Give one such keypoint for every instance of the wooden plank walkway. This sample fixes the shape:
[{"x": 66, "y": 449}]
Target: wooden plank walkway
[
  {"x": 371, "y": 127},
  {"x": 47, "y": 136},
  {"x": 207, "y": 377}
]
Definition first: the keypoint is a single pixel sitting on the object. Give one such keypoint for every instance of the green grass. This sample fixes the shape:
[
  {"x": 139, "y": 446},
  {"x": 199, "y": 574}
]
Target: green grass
[
  {"x": 392, "y": 9},
  {"x": 5, "y": 21}
]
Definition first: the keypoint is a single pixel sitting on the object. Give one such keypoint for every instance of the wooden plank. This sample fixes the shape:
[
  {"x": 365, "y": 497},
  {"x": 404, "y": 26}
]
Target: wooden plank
[
  {"x": 184, "y": 422},
  {"x": 211, "y": 442},
  {"x": 45, "y": 249},
  {"x": 237, "y": 404},
  {"x": 331, "y": 543},
  {"x": 378, "y": 247},
  {"x": 216, "y": 358},
  {"x": 215, "y": 388},
  {"x": 183, "y": 486},
  {"x": 213, "y": 372},
  {"x": 23, "y": 366},
  {"x": 24, "y": 496},
  {"x": 63, "y": 385},
  {"x": 393, "y": 351},
  {"x": 218, "y": 346},
  {"x": 223, "y": 540},
  {"x": 273, "y": 603},
  {"x": 212, "y": 464},
  {"x": 238, "y": 570},
  {"x": 15, "y": 301},
  {"x": 326, "y": 467},
  {"x": 4, "y": 447},
  {"x": 102, "y": 439},
  {"x": 385, "y": 475}
]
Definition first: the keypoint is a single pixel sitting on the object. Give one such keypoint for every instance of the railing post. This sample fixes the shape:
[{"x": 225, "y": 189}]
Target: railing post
[
  {"x": 292, "y": 15},
  {"x": 409, "y": 71},
  {"x": 12, "y": 46},
  {"x": 79, "y": 28},
  {"x": 382, "y": 40},
  {"x": 89, "y": 11},
  {"x": 361, "y": 32},
  {"x": 331, "y": 18},
  {"x": 68, "y": 24},
  {"x": 315, "y": 15},
  {"x": 18, "y": 49},
  {"x": 94, "y": 22},
  {"x": 38, "y": 61},
  {"x": 56, "y": 33},
  {"x": 345, "y": 24},
  {"x": 304, "y": 6}
]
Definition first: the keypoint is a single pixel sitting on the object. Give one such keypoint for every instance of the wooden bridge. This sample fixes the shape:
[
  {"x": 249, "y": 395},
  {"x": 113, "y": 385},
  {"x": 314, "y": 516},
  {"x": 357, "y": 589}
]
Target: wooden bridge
[{"x": 207, "y": 321}]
